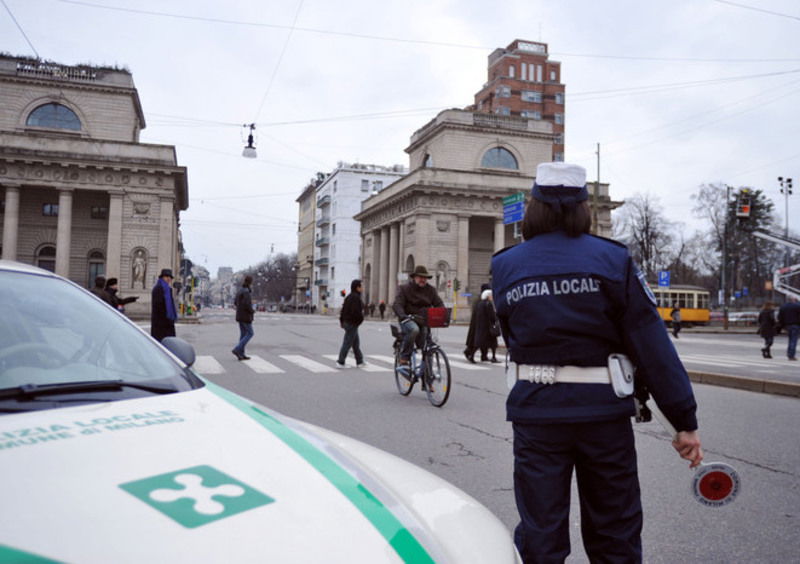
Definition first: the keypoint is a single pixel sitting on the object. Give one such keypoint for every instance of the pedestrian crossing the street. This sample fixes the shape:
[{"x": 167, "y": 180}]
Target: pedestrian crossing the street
[{"x": 317, "y": 364}]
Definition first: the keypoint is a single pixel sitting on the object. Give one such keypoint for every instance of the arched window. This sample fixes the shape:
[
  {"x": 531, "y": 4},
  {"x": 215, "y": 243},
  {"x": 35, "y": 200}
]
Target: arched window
[
  {"x": 498, "y": 157},
  {"x": 97, "y": 265},
  {"x": 46, "y": 258},
  {"x": 54, "y": 116},
  {"x": 409, "y": 264}
]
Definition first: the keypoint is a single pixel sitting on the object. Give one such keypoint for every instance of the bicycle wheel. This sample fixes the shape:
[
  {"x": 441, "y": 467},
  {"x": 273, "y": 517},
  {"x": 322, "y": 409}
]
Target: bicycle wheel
[
  {"x": 437, "y": 377},
  {"x": 404, "y": 383}
]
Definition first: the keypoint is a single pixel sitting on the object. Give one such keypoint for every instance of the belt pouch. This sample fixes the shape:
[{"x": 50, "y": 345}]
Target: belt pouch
[{"x": 620, "y": 371}]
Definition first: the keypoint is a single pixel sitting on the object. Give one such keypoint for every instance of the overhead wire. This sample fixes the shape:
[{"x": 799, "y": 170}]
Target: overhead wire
[
  {"x": 278, "y": 63},
  {"x": 413, "y": 41},
  {"x": 19, "y": 27},
  {"x": 615, "y": 92},
  {"x": 746, "y": 7}
]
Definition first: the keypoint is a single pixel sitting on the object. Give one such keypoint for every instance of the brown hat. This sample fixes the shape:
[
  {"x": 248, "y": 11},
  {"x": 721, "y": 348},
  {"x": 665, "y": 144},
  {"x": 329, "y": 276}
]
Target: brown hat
[{"x": 421, "y": 271}]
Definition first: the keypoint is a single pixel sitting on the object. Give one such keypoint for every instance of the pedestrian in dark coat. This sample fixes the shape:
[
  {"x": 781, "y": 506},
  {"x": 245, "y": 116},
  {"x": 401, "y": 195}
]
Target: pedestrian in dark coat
[
  {"x": 117, "y": 302},
  {"x": 350, "y": 317},
  {"x": 469, "y": 351},
  {"x": 163, "y": 313},
  {"x": 485, "y": 323},
  {"x": 675, "y": 316},
  {"x": 99, "y": 290},
  {"x": 382, "y": 308},
  {"x": 789, "y": 319},
  {"x": 766, "y": 327},
  {"x": 244, "y": 317}
]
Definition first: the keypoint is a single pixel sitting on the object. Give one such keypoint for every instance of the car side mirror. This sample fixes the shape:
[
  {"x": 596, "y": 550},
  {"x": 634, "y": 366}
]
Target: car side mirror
[{"x": 180, "y": 348}]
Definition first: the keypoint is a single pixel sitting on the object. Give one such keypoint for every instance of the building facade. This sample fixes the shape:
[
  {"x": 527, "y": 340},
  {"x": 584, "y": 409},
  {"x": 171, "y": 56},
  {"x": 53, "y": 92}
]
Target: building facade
[
  {"x": 306, "y": 227},
  {"x": 81, "y": 196},
  {"x": 337, "y": 237},
  {"x": 524, "y": 82},
  {"x": 447, "y": 213}
]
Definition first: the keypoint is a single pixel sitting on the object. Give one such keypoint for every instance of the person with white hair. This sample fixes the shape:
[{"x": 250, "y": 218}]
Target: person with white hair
[{"x": 486, "y": 328}]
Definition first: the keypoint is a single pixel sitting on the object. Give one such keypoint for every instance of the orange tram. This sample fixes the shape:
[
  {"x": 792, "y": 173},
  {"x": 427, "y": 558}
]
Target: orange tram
[{"x": 693, "y": 302}]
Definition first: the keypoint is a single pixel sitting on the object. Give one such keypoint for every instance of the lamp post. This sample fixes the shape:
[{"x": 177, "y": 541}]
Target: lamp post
[
  {"x": 786, "y": 190},
  {"x": 725, "y": 260}
]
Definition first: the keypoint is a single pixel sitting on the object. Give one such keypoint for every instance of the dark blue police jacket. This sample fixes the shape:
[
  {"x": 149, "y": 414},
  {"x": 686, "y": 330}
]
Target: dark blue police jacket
[{"x": 573, "y": 301}]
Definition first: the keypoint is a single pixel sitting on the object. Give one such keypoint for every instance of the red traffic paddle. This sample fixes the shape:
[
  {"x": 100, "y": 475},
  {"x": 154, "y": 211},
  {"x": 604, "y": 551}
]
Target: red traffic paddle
[{"x": 714, "y": 483}]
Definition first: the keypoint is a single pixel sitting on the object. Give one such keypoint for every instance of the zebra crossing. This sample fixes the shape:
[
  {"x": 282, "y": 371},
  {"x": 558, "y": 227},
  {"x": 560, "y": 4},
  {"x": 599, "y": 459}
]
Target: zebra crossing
[
  {"x": 755, "y": 364},
  {"x": 319, "y": 364}
]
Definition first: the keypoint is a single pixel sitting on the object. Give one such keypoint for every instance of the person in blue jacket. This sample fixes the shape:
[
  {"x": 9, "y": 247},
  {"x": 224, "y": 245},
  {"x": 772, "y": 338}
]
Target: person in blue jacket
[{"x": 566, "y": 300}]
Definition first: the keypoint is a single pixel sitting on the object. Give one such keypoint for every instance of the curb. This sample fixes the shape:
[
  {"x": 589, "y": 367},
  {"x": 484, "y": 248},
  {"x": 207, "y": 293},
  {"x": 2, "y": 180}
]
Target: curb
[{"x": 774, "y": 387}]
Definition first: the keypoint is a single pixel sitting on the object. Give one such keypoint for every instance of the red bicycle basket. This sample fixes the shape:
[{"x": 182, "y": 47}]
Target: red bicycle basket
[{"x": 438, "y": 316}]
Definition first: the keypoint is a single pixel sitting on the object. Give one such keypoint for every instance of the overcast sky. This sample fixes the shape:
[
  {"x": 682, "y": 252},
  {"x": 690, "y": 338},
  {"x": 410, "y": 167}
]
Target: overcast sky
[{"x": 677, "y": 93}]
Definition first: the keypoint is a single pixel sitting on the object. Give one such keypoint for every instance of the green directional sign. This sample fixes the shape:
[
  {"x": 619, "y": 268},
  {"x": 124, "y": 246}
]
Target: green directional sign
[{"x": 514, "y": 198}]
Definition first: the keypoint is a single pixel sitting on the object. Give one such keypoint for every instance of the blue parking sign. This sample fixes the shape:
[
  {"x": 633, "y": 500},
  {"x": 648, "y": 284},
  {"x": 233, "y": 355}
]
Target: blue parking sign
[{"x": 663, "y": 278}]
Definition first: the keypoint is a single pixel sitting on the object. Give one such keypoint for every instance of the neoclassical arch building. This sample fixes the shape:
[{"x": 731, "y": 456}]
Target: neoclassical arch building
[
  {"x": 447, "y": 213},
  {"x": 79, "y": 194}
]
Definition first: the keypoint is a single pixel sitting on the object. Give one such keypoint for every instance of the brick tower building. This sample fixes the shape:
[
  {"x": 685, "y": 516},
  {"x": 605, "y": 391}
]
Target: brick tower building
[{"x": 523, "y": 82}]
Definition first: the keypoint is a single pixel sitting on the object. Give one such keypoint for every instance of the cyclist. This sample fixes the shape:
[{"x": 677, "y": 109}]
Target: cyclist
[{"x": 409, "y": 305}]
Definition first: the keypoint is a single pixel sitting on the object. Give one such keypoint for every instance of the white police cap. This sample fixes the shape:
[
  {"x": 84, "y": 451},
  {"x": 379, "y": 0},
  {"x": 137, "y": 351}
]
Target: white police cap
[{"x": 561, "y": 174}]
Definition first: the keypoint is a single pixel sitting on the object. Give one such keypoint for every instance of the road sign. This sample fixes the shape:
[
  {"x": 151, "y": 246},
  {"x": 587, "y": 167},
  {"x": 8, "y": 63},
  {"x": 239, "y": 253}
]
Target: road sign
[
  {"x": 514, "y": 198},
  {"x": 513, "y": 213},
  {"x": 663, "y": 278},
  {"x": 513, "y": 208}
]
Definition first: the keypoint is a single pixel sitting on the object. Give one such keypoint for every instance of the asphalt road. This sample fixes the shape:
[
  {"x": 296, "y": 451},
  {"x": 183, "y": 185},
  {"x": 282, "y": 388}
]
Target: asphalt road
[{"x": 468, "y": 442}]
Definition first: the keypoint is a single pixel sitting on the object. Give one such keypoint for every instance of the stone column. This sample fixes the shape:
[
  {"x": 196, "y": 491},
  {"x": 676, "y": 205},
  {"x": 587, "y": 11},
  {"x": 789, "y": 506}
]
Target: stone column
[
  {"x": 11, "y": 223},
  {"x": 393, "y": 247},
  {"x": 376, "y": 268},
  {"x": 499, "y": 234},
  {"x": 166, "y": 246},
  {"x": 114, "y": 243},
  {"x": 64, "y": 232},
  {"x": 401, "y": 248},
  {"x": 422, "y": 238},
  {"x": 462, "y": 267},
  {"x": 384, "y": 260}
]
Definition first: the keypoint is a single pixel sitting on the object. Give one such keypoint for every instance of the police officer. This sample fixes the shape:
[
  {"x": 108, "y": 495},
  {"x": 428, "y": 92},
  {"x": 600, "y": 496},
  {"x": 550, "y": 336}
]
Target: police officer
[{"x": 566, "y": 300}]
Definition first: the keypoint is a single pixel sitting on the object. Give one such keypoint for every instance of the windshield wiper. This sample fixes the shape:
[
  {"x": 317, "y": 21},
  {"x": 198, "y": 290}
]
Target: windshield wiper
[{"x": 34, "y": 390}]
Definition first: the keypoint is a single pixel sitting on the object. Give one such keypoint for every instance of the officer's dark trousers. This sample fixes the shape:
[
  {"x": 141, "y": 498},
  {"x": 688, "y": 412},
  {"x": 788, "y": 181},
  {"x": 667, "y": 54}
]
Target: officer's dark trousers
[{"x": 604, "y": 459}]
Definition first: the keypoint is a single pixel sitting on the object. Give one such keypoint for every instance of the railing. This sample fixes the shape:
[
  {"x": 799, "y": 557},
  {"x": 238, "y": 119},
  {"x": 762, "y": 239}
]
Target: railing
[
  {"x": 57, "y": 71},
  {"x": 323, "y": 261},
  {"x": 321, "y": 282},
  {"x": 323, "y": 200},
  {"x": 324, "y": 220},
  {"x": 322, "y": 241}
]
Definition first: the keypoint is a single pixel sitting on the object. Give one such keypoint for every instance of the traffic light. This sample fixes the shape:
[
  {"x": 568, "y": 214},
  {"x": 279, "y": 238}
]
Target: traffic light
[
  {"x": 743, "y": 203},
  {"x": 344, "y": 293},
  {"x": 456, "y": 284}
]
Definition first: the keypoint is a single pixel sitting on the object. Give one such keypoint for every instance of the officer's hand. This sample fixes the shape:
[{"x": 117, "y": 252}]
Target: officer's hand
[{"x": 687, "y": 443}]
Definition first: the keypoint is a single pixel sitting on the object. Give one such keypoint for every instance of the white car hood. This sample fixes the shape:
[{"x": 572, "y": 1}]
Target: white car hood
[{"x": 200, "y": 476}]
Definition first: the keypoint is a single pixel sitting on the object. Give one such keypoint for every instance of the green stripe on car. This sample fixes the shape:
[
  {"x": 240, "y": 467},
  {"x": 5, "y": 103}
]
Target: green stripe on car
[
  {"x": 10, "y": 555},
  {"x": 388, "y": 525}
]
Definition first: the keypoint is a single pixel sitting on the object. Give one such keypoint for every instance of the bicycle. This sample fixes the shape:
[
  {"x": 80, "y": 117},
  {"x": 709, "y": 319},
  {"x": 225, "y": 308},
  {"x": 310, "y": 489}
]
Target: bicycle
[{"x": 430, "y": 365}]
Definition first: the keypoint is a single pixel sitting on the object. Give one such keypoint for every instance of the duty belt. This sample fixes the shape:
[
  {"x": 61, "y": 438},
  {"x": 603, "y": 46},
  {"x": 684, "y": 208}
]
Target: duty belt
[{"x": 551, "y": 374}]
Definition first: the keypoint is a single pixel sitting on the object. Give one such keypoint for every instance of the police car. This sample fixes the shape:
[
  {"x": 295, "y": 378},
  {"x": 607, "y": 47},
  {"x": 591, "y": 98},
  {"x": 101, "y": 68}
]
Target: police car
[{"x": 113, "y": 450}]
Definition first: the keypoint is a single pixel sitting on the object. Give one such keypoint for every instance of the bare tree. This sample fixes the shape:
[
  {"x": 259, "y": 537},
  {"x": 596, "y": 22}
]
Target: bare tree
[{"x": 641, "y": 225}]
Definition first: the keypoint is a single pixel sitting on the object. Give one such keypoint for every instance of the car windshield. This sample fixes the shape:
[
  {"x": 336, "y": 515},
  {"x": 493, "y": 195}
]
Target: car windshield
[{"x": 52, "y": 333}]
